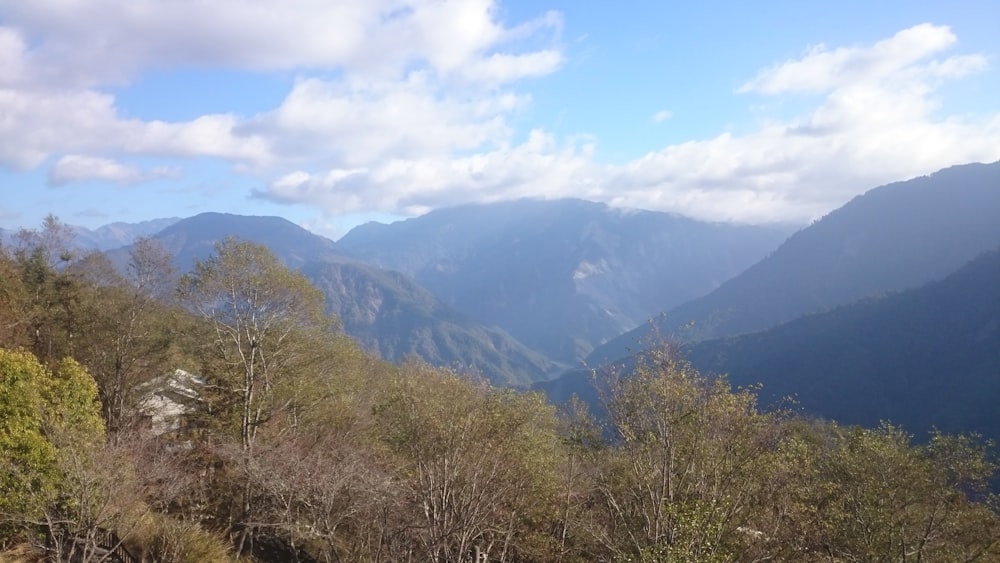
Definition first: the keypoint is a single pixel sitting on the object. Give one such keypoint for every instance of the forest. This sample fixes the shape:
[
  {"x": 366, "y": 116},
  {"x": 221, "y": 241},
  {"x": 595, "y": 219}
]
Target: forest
[{"x": 288, "y": 442}]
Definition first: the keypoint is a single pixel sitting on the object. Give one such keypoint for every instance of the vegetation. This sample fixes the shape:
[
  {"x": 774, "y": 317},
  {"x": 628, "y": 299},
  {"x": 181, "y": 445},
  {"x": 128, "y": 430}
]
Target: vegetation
[
  {"x": 925, "y": 358},
  {"x": 292, "y": 444}
]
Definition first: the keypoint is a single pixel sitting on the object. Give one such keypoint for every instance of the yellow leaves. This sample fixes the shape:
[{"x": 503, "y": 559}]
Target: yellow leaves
[
  {"x": 74, "y": 413},
  {"x": 41, "y": 411}
]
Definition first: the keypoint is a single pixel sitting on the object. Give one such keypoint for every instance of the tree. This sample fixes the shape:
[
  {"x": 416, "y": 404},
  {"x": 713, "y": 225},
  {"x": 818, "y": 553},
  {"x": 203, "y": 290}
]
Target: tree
[
  {"x": 50, "y": 313},
  {"x": 126, "y": 326},
  {"x": 49, "y": 422},
  {"x": 479, "y": 468},
  {"x": 258, "y": 311},
  {"x": 13, "y": 304},
  {"x": 683, "y": 482},
  {"x": 264, "y": 322},
  {"x": 27, "y": 456},
  {"x": 885, "y": 499}
]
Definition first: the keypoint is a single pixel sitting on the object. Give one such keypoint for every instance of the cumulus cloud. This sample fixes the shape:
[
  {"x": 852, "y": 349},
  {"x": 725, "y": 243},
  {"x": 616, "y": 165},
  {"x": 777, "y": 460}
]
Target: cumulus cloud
[
  {"x": 77, "y": 168},
  {"x": 897, "y": 58},
  {"x": 39, "y": 123},
  {"x": 358, "y": 122},
  {"x": 414, "y": 78},
  {"x": 359, "y": 36},
  {"x": 876, "y": 122},
  {"x": 538, "y": 167}
]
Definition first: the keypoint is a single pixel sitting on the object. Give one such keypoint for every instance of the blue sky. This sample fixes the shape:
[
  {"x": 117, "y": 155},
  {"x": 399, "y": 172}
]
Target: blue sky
[{"x": 331, "y": 113}]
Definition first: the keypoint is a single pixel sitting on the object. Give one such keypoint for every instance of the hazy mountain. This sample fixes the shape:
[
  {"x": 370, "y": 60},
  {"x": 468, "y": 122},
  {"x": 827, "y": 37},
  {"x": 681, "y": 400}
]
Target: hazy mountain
[
  {"x": 561, "y": 276},
  {"x": 194, "y": 238},
  {"x": 390, "y": 314},
  {"x": 114, "y": 235},
  {"x": 894, "y": 237},
  {"x": 385, "y": 311},
  {"x": 926, "y": 357}
]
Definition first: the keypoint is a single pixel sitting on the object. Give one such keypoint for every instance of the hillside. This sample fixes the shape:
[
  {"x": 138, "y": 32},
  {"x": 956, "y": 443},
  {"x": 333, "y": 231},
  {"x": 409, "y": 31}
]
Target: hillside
[
  {"x": 893, "y": 237},
  {"x": 392, "y": 316},
  {"x": 924, "y": 358},
  {"x": 927, "y": 357},
  {"x": 385, "y": 311},
  {"x": 561, "y": 276}
]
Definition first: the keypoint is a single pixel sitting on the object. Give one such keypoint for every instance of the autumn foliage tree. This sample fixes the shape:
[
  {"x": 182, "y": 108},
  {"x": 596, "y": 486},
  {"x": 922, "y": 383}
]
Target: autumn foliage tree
[
  {"x": 478, "y": 468},
  {"x": 263, "y": 325}
]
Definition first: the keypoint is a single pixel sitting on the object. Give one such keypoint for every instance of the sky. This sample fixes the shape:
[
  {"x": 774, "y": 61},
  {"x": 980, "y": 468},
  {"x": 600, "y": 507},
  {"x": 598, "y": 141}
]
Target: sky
[{"x": 331, "y": 113}]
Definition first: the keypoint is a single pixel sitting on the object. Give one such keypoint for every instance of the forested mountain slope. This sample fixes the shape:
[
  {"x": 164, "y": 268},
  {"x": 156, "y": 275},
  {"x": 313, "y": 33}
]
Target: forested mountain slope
[
  {"x": 927, "y": 357},
  {"x": 893, "y": 237},
  {"x": 385, "y": 311},
  {"x": 562, "y": 276}
]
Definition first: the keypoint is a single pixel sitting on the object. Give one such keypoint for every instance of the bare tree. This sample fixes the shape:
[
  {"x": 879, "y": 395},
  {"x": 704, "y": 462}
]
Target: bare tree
[{"x": 265, "y": 321}]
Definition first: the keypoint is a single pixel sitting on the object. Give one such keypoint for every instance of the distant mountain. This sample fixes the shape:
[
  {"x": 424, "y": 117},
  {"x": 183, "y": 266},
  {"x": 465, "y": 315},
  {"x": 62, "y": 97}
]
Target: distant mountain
[
  {"x": 385, "y": 311},
  {"x": 561, "y": 276},
  {"x": 108, "y": 237},
  {"x": 894, "y": 237},
  {"x": 926, "y": 357},
  {"x": 194, "y": 238},
  {"x": 391, "y": 315},
  {"x": 116, "y": 235}
]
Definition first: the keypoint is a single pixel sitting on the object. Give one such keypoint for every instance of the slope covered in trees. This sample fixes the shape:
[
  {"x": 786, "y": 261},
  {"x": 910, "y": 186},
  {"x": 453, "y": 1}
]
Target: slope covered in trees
[
  {"x": 294, "y": 444},
  {"x": 385, "y": 311},
  {"x": 893, "y": 237},
  {"x": 562, "y": 276},
  {"x": 927, "y": 357}
]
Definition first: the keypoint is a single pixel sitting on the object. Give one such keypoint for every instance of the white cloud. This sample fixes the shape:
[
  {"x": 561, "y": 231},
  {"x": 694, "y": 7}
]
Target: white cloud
[
  {"x": 358, "y": 36},
  {"x": 355, "y": 123},
  {"x": 405, "y": 105},
  {"x": 39, "y": 123},
  {"x": 77, "y": 168},
  {"x": 877, "y": 122},
  {"x": 416, "y": 78},
  {"x": 537, "y": 167},
  {"x": 822, "y": 70},
  {"x": 662, "y": 115}
]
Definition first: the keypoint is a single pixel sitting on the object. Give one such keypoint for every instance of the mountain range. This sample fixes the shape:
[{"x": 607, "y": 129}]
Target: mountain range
[
  {"x": 884, "y": 308},
  {"x": 893, "y": 237},
  {"x": 384, "y": 311},
  {"x": 107, "y": 237},
  {"x": 562, "y": 276},
  {"x": 925, "y": 358}
]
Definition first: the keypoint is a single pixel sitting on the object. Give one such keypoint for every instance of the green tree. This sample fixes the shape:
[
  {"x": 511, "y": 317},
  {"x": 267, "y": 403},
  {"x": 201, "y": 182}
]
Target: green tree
[
  {"x": 127, "y": 328},
  {"x": 264, "y": 323},
  {"x": 684, "y": 480},
  {"x": 27, "y": 456},
  {"x": 47, "y": 417},
  {"x": 50, "y": 312},
  {"x": 885, "y": 499},
  {"x": 260, "y": 314},
  {"x": 479, "y": 468},
  {"x": 13, "y": 304}
]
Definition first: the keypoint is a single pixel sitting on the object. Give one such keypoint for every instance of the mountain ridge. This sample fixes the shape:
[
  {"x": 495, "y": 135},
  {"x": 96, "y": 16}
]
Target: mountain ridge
[
  {"x": 565, "y": 275},
  {"x": 926, "y": 357},
  {"x": 893, "y": 237},
  {"x": 391, "y": 301}
]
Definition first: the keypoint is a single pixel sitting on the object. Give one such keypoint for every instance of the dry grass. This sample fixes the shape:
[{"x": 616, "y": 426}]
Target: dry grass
[
  {"x": 22, "y": 553},
  {"x": 171, "y": 541}
]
